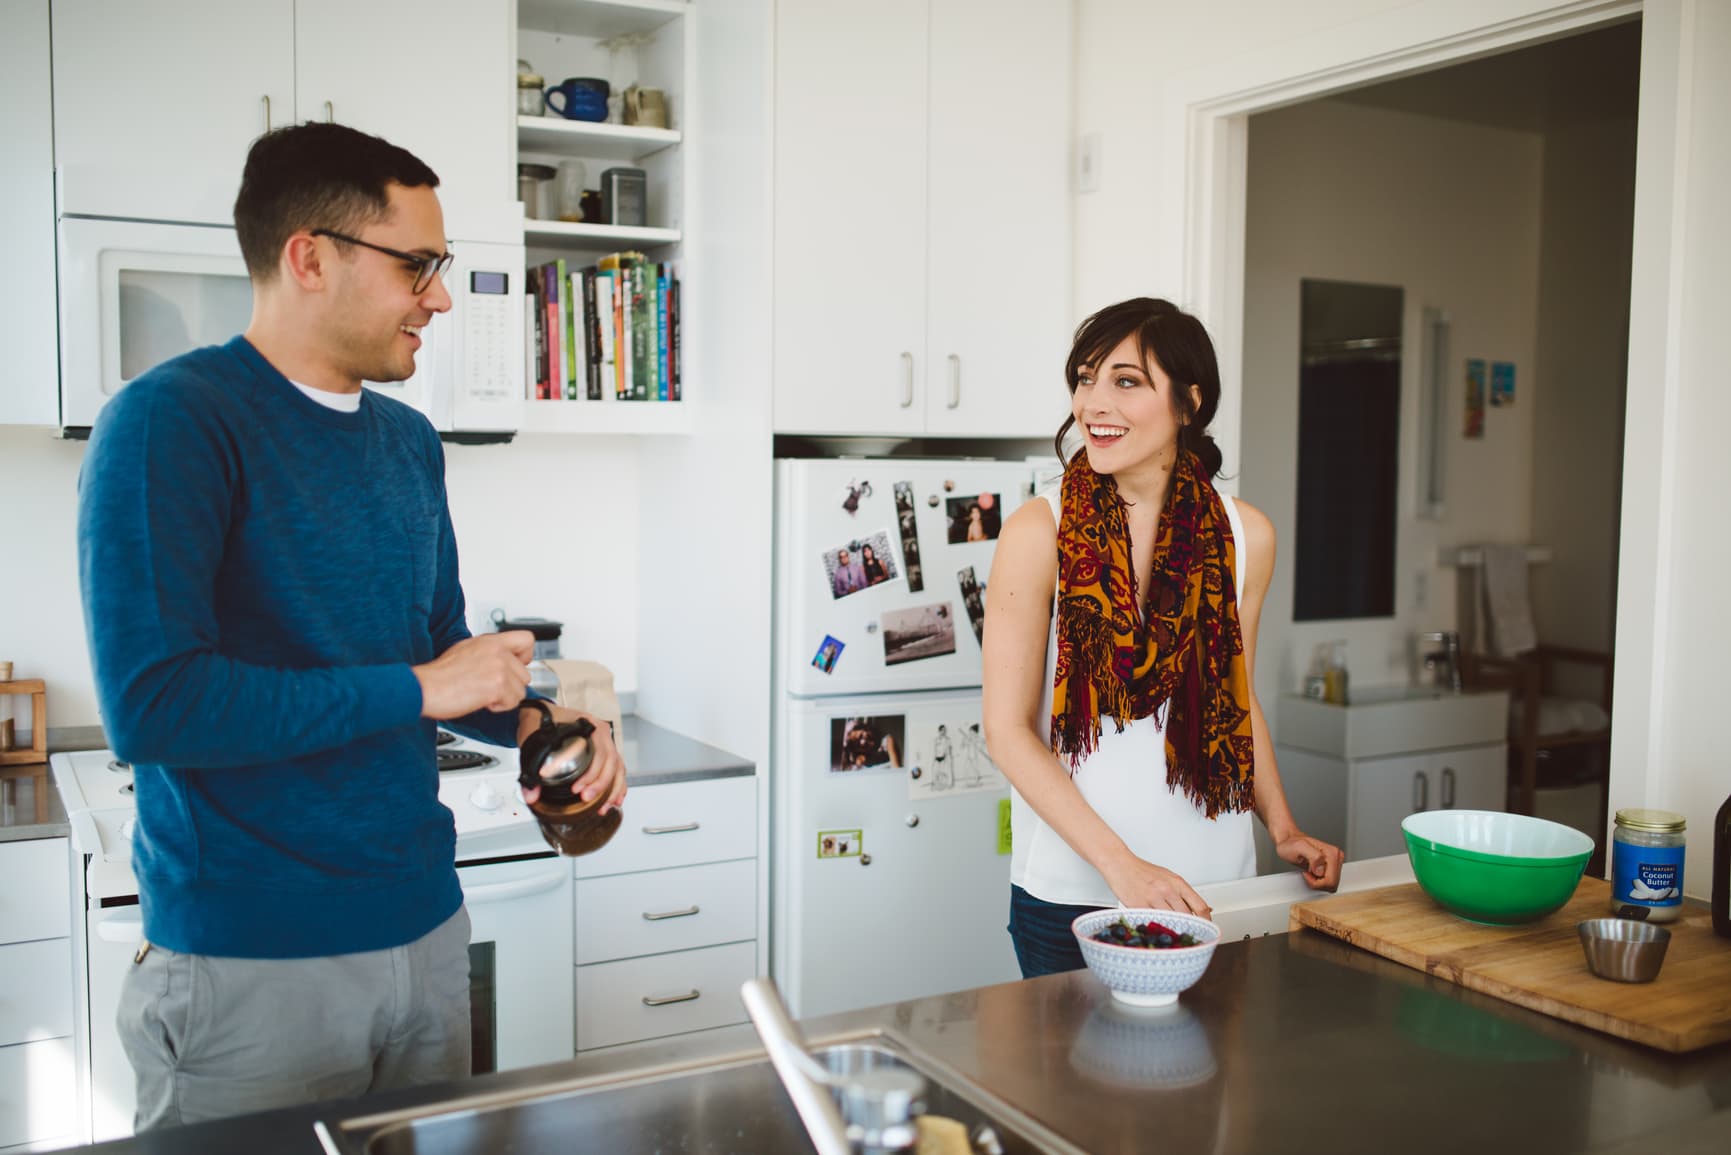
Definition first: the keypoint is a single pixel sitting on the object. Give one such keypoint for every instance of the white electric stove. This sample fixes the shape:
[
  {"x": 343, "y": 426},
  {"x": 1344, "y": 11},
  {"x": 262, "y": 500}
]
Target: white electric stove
[{"x": 519, "y": 895}]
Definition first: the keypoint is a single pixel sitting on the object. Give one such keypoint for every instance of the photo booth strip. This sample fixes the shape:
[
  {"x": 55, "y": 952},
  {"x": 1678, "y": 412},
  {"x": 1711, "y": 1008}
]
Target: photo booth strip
[{"x": 909, "y": 523}]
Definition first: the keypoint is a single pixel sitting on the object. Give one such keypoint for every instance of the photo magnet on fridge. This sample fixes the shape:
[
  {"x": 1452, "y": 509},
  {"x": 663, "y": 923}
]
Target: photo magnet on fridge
[
  {"x": 974, "y": 598},
  {"x": 827, "y": 653},
  {"x": 957, "y": 763},
  {"x": 838, "y": 843},
  {"x": 867, "y": 743},
  {"x": 860, "y": 564},
  {"x": 918, "y": 632},
  {"x": 855, "y": 491},
  {"x": 976, "y": 518},
  {"x": 910, "y": 534}
]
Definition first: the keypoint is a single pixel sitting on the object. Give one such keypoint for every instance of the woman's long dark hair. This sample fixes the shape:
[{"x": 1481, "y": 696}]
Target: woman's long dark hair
[{"x": 1174, "y": 340}]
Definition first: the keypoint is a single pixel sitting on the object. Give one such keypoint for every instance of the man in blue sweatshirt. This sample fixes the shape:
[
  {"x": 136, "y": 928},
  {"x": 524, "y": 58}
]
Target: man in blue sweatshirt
[{"x": 275, "y": 621}]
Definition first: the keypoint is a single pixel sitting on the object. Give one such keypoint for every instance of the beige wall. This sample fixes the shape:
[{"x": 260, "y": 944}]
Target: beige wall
[
  {"x": 1448, "y": 212},
  {"x": 1583, "y": 352}
]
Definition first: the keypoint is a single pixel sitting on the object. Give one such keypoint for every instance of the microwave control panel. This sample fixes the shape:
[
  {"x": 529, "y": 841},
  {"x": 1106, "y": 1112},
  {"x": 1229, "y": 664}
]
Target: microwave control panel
[{"x": 489, "y": 343}]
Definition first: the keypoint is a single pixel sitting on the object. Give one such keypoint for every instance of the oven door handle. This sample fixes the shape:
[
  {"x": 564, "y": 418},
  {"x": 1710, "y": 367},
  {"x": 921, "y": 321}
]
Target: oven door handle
[
  {"x": 125, "y": 926},
  {"x": 516, "y": 888}
]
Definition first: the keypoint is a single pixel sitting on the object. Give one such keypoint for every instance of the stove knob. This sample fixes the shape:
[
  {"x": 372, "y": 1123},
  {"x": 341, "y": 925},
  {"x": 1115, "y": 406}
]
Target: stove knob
[{"x": 486, "y": 798}]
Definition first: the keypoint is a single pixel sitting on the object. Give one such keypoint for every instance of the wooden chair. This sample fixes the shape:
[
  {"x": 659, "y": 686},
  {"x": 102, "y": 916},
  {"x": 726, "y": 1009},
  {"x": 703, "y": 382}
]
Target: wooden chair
[{"x": 1529, "y": 678}]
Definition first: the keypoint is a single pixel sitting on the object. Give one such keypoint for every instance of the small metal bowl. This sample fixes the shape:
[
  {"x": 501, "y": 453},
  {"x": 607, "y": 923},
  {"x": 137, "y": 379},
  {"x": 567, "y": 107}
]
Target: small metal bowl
[{"x": 1622, "y": 949}]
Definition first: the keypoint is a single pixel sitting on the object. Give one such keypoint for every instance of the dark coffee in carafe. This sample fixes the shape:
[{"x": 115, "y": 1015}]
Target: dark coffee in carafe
[{"x": 568, "y": 823}]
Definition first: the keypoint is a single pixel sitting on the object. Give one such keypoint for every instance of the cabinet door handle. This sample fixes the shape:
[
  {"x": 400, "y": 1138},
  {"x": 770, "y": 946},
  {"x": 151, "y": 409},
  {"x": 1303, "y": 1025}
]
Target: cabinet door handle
[
  {"x": 907, "y": 380},
  {"x": 663, "y": 1000},
  {"x": 686, "y": 913},
  {"x": 680, "y": 829},
  {"x": 1420, "y": 791},
  {"x": 1448, "y": 787},
  {"x": 330, "y": 113},
  {"x": 955, "y": 380},
  {"x": 267, "y": 112}
]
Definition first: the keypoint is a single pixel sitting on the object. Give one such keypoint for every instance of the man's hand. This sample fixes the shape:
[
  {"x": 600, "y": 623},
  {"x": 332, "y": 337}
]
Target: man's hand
[
  {"x": 490, "y": 671},
  {"x": 606, "y": 774}
]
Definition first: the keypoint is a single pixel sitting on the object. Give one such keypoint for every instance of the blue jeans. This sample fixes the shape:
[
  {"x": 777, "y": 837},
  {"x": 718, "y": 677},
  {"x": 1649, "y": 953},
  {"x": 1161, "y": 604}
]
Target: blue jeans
[{"x": 1040, "y": 932}]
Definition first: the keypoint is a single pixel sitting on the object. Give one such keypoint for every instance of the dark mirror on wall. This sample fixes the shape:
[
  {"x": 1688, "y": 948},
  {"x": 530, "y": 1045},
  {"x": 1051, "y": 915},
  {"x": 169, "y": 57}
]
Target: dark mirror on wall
[{"x": 1348, "y": 450}]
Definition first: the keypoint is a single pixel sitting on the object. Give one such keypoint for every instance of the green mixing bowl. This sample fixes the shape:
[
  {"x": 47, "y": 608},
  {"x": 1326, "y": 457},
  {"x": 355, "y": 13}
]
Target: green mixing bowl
[{"x": 1497, "y": 868}]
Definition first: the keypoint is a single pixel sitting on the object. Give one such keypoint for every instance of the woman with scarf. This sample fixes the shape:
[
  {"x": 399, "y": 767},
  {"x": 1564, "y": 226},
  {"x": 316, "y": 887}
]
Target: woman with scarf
[{"x": 1119, "y": 650}]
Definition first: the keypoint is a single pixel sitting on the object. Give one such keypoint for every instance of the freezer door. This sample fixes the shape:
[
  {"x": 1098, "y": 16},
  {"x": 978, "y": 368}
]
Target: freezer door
[
  {"x": 881, "y": 570},
  {"x": 890, "y": 880}
]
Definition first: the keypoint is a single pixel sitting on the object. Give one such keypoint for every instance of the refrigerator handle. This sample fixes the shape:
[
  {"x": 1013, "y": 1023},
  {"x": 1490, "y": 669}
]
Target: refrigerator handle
[{"x": 907, "y": 380}]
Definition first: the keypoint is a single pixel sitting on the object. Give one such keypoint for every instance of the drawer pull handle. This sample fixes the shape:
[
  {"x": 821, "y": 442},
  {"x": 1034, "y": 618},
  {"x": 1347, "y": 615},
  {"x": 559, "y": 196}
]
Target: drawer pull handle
[
  {"x": 686, "y": 913},
  {"x": 680, "y": 829},
  {"x": 665, "y": 999}
]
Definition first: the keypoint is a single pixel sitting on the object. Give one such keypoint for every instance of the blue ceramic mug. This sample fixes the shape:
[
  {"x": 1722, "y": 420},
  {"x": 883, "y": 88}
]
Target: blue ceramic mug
[{"x": 580, "y": 98}]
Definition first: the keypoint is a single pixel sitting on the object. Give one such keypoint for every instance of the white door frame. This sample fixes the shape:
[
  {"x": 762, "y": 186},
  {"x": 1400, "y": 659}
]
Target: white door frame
[{"x": 1209, "y": 110}]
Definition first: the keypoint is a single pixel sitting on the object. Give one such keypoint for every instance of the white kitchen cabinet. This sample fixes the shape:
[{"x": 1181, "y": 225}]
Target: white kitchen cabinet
[
  {"x": 922, "y": 254},
  {"x": 27, "y": 381},
  {"x": 1352, "y": 773},
  {"x": 157, "y": 101},
  {"x": 38, "y": 1086},
  {"x": 666, "y": 914}
]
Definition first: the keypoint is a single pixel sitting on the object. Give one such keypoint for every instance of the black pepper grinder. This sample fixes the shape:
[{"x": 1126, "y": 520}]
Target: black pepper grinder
[
  {"x": 1722, "y": 871},
  {"x": 568, "y": 823}
]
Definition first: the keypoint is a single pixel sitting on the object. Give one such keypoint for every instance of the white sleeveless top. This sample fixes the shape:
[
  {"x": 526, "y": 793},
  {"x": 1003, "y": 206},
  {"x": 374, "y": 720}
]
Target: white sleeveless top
[{"x": 1124, "y": 780}]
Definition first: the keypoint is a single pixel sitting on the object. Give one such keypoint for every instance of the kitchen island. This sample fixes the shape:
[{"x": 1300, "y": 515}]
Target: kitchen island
[{"x": 1291, "y": 1042}]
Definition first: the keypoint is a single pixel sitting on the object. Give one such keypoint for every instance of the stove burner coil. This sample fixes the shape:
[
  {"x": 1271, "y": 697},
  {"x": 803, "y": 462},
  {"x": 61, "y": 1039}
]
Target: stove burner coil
[{"x": 464, "y": 760}]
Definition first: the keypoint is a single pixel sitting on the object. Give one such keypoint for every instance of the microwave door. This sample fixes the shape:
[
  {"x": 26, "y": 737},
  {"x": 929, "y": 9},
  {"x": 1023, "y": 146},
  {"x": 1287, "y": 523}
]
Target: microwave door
[{"x": 134, "y": 295}]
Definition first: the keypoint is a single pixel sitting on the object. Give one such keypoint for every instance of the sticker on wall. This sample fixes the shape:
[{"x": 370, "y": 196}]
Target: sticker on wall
[
  {"x": 827, "y": 653},
  {"x": 910, "y": 534},
  {"x": 1502, "y": 383},
  {"x": 1475, "y": 416},
  {"x": 1004, "y": 826},
  {"x": 974, "y": 598},
  {"x": 855, "y": 491},
  {"x": 976, "y": 518},
  {"x": 918, "y": 632},
  {"x": 860, "y": 564},
  {"x": 838, "y": 843},
  {"x": 874, "y": 743},
  {"x": 949, "y": 760}
]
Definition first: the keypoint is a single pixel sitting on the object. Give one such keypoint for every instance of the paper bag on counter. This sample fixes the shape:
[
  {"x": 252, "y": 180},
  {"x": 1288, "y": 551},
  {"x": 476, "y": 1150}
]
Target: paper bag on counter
[{"x": 587, "y": 686}]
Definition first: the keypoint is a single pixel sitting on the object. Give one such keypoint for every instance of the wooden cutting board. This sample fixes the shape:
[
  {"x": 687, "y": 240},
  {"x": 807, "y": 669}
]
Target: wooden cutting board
[{"x": 1541, "y": 966}]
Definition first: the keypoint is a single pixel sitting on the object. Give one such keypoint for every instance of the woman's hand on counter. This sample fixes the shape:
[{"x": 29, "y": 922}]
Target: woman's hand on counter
[
  {"x": 1319, "y": 861},
  {"x": 1137, "y": 882}
]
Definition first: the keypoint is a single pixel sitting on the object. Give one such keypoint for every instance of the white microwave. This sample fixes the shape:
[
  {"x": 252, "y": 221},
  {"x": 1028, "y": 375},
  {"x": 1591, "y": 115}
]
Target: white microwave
[{"x": 135, "y": 293}]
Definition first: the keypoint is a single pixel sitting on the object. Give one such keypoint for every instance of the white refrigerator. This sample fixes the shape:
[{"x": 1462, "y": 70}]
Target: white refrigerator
[{"x": 890, "y": 865}]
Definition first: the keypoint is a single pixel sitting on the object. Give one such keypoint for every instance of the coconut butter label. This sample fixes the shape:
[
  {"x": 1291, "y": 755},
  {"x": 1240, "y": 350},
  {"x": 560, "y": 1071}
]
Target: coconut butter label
[{"x": 1647, "y": 875}]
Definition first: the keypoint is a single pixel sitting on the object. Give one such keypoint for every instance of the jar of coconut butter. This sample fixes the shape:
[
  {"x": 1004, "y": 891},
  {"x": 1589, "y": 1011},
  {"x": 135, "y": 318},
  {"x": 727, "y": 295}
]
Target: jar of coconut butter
[{"x": 1647, "y": 865}]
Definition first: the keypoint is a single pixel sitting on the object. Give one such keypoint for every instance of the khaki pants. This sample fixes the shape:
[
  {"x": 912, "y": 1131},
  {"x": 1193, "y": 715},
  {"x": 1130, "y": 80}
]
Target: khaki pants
[{"x": 211, "y": 1037}]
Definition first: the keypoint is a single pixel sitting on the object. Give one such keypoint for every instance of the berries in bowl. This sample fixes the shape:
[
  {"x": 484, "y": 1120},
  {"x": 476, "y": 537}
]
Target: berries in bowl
[{"x": 1144, "y": 956}]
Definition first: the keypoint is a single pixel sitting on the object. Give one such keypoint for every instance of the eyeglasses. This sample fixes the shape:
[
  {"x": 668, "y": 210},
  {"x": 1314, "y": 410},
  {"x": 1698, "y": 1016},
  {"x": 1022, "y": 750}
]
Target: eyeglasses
[{"x": 426, "y": 268}]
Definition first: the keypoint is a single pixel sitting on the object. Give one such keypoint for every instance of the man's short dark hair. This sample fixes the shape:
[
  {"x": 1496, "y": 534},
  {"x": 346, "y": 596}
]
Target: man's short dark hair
[{"x": 316, "y": 176}]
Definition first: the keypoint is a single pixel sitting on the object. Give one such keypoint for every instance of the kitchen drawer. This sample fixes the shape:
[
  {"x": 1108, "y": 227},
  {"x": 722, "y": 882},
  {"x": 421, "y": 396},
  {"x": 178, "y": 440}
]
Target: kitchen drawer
[
  {"x": 680, "y": 824},
  {"x": 656, "y": 911},
  {"x": 38, "y": 1091},
  {"x": 35, "y": 894},
  {"x": 36, "y": 996},
  {"x": 611, "y": 1006}
]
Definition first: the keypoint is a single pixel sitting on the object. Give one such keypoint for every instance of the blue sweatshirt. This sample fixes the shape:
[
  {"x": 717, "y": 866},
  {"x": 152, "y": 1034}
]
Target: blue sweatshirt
[{"x": 259, "y": 574}]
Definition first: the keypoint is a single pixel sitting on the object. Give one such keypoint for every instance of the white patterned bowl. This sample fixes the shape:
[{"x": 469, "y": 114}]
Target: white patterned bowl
[{"x": 1146, "y": 976}]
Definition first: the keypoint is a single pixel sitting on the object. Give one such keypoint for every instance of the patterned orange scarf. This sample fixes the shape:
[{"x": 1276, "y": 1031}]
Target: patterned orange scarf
[{"x": 1183, "y": 654}]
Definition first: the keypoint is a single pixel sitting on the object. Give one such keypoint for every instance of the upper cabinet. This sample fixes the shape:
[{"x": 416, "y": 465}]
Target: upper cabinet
[
  {"x": 177, "y": 90},
  {"x": 922, "y": 217},
  {"x": 27, "y": 222}
]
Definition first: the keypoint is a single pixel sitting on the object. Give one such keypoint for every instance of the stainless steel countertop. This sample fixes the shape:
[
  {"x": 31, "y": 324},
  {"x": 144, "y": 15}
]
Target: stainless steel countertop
[
  {"x": 30, "y": 806},
  {"x": 1291, "y": 1043}
]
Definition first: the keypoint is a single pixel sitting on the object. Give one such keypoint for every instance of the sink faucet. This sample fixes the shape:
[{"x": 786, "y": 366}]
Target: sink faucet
[
  {"x": 1444, "y": 664},
  {"x": 878, "y": 1107}
]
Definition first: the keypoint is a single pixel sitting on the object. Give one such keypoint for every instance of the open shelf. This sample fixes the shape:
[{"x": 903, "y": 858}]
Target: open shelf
[
  {"x": 589, "y": 139},
  {"x": 600, "y": 19},
  {"x": 602, "y": 238}
]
